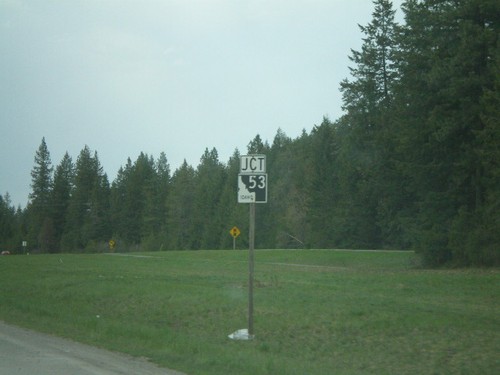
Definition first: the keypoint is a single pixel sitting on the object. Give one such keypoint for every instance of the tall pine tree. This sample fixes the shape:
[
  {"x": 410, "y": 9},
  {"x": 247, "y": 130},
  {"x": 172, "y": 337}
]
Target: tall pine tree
[
  {"x": 448, "y": 50},
  {"x": 364, "y": 130},
  {"x": 41, "y": 234},
  {"x": 180, "y": 209},
  {"x": 61, "y": 194}
]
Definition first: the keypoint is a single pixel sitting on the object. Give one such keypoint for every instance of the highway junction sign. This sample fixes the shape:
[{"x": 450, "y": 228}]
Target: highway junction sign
[{"x": 252, "y": 179}]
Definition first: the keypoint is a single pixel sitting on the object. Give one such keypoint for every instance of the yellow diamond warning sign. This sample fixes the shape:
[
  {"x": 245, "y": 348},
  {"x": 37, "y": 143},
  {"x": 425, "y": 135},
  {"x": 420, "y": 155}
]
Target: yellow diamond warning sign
[{"x": 235, "y": 232}]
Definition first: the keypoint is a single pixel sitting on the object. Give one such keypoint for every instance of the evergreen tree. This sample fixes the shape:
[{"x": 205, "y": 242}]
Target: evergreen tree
[
  {"x": 134, "y": 200},
  {"x": 362, "y": 143},
  {"x": 40, "y": 222},
  {"x": 155, "y": 210},
  {"x": 119, "y": 214},
  {"x": 100, "y": 203},
  {"x": 209, "y": 180},
  {"x": 180, "y": 208},
  {"x": 61, "y": 194},
  {"x": 41, "y": 177},
  {"x": 88, "y": 211},
  {"x": 141, "y": 188},
  {"x": 475, "y": 231},
  {"x": 163, "y": 173},
  {"x": 375, "y": 70},
  {"x": 324, "y": 189},
  {"x": 287, "y": 198},
  {"x": 256, "y": 146},
  {"x": 448, "y": 54},
  {"x": 299, "y": 191},
  {"x": 7, "y": 223}
]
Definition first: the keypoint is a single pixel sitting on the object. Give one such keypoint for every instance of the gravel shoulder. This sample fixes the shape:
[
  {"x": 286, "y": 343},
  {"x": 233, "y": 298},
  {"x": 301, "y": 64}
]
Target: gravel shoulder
[{"x": 25, "y": 352}]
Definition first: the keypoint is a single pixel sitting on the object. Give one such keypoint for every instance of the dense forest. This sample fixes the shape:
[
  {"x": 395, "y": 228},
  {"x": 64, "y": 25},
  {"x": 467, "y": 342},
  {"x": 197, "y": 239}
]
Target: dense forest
[{"x": 412, "y": 164}]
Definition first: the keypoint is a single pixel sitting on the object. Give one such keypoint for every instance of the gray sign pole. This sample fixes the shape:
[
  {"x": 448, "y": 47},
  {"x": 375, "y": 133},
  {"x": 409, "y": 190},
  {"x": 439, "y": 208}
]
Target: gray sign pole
[
  {"x": 252, "y": 188},
  {"x": 250, "y": 268}
]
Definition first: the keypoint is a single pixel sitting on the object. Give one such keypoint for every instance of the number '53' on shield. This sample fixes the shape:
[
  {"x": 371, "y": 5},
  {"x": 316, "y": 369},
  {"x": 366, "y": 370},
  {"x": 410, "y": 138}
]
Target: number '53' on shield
[{"x": 252, "y": 188}]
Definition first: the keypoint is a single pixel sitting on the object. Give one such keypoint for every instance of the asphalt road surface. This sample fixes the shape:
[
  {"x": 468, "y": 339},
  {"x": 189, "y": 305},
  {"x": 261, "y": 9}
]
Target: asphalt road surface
[{"x": 24, "y": 352}]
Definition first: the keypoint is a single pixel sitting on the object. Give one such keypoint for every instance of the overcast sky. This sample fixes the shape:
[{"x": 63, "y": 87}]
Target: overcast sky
[{"x": 176, "y": 76}]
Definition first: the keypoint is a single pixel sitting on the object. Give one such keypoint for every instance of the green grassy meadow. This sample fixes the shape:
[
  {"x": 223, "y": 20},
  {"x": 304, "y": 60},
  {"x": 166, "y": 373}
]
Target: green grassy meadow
[{"x": 316, "y": 311}]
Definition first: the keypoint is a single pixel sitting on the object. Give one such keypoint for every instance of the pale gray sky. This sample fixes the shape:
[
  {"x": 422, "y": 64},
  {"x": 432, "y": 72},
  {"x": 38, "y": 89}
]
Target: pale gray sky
[{"x": 165, "y": 75}]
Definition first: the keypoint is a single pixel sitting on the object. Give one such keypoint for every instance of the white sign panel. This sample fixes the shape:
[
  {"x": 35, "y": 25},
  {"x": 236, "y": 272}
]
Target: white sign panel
[
  {"x": 252, "y": 188},
  {"x": 253, "y": 164}
]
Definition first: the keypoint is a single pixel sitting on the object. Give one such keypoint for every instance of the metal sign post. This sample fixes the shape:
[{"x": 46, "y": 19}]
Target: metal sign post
[
  {"x": 251, "y": 240},
  {"x": 252, "y": 188}
]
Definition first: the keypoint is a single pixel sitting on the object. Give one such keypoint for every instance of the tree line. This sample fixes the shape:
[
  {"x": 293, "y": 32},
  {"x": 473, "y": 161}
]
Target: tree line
[{"x": 413, "y": 163}]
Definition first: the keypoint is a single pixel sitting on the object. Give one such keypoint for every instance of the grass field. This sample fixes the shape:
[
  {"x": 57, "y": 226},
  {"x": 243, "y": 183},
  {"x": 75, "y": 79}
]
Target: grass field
[{"x": 316, "y": 311}]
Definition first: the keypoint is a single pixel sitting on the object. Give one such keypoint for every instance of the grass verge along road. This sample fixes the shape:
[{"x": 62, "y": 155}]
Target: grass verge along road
[{"x": 316, "y": 311}]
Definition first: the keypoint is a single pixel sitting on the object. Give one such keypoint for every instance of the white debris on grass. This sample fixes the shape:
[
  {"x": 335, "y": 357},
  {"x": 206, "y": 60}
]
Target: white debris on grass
[{"x": 241, "y": 334}]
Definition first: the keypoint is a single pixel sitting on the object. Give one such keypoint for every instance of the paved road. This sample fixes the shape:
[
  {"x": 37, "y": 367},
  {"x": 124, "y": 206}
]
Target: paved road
[{"x": 24, "y": 352}]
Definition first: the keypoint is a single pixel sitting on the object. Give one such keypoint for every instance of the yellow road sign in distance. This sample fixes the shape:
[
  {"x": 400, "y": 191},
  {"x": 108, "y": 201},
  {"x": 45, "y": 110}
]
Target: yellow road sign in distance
[{"x": 235, "y": 232}]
